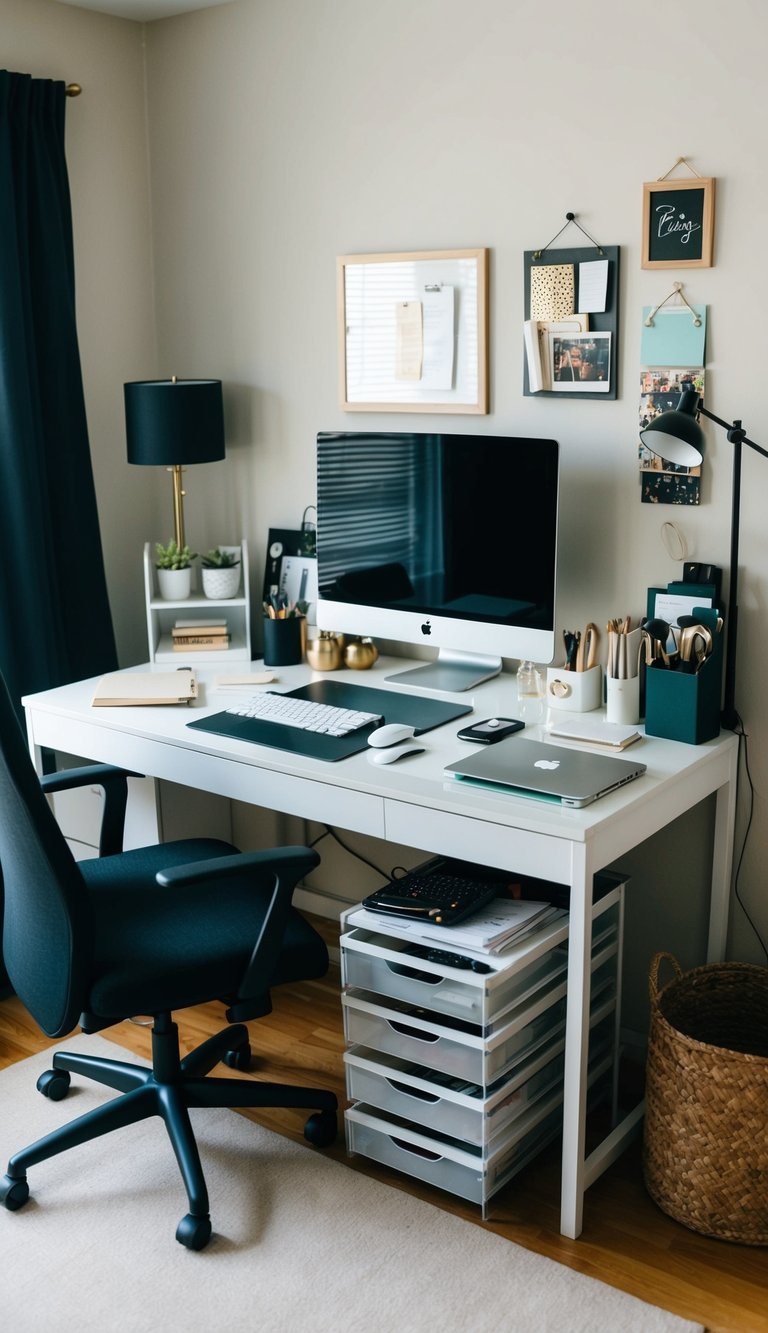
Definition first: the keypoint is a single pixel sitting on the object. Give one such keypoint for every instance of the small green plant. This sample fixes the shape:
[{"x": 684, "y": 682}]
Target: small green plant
[
  {"x": 173, "y": 556},
  {"x": 218, "y": 559}
]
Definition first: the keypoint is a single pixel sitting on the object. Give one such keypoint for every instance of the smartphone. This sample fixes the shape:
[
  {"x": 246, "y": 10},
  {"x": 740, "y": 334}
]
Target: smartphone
[{"x": 493, "y": 729}]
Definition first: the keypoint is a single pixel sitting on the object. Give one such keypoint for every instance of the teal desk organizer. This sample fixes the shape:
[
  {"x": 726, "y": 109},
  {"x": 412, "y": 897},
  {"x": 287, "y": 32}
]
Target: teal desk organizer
[{"x": 682, "y": 707}]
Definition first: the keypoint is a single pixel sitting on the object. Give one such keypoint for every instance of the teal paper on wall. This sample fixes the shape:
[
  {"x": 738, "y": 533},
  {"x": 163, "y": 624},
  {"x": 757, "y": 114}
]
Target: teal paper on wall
[{"x": 673, "y": 339}]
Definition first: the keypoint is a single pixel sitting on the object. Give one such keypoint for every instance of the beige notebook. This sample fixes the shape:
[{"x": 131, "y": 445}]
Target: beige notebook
[{"x": 123, "y": 689}]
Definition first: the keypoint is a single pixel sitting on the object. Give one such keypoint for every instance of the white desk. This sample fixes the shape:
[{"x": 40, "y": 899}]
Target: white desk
[{"x": 411, "y": 803}]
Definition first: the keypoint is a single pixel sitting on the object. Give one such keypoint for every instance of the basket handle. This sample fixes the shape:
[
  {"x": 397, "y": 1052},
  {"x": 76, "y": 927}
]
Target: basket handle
[{"x": 653, "y": 976}]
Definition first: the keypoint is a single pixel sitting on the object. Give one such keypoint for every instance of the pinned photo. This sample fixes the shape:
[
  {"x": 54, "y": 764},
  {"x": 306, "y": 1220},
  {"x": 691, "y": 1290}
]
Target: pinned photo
[{"x": 581, "y": 363}]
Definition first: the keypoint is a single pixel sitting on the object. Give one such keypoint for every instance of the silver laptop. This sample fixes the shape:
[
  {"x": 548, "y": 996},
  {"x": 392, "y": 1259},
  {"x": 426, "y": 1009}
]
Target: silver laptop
[{"x": 554, "y": 773}]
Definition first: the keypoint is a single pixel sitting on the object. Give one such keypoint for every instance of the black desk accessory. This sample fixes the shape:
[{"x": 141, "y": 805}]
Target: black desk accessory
[
  {"x": 421, "y": 713},
  {"x": 678, "y": 437}
]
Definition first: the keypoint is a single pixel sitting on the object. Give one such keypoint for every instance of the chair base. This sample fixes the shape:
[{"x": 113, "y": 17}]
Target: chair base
[{"x": 168, "y": 1089}]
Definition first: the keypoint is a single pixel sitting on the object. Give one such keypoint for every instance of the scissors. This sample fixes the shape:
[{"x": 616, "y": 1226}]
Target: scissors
[{"x": 586, "y": 656}]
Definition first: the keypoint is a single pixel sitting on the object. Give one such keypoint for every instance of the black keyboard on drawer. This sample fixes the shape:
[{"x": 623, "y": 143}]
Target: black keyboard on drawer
[{"x": 441, "y": 891}]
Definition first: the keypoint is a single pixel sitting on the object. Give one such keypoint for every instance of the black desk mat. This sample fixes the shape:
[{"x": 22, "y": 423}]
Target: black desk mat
[{"x": 421, "y": 713}]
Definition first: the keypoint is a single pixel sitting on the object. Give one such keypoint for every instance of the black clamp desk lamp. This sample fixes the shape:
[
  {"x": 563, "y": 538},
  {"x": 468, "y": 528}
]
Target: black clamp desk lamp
[
  {"x": 173, "y": 423},
  {"x": 678, "y": 437}
]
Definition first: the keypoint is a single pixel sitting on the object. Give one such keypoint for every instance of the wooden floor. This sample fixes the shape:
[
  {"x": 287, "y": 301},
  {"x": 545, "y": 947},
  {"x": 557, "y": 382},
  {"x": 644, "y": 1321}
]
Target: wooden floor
[{"x": 626, "y": 1242}]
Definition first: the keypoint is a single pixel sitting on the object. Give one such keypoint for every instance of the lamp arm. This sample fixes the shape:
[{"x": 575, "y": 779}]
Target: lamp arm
[{"x": 733, "y": 430}]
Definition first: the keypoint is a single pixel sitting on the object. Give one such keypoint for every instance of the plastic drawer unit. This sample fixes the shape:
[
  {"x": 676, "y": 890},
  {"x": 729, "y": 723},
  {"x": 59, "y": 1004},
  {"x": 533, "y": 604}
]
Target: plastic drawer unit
[
  {"x": 456, "y": 1075},
  {"x": 471, "y": 1172},
  {"x": 456, "y": 1107}
]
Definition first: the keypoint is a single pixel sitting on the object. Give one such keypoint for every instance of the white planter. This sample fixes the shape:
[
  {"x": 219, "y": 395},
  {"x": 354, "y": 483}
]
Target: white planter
[
  {"x": 175, "y": 585},
  {"x": 221, "y": 584}
]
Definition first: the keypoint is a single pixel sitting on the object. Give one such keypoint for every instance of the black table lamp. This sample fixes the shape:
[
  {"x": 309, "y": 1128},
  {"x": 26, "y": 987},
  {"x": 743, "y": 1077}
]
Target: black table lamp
[
  {"x": 678, "y": 437},
  {"x": 173, "y": 423}
]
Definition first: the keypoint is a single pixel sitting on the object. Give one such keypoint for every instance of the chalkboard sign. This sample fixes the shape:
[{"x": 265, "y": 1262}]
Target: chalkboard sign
[{"x": 678, "y": 223}]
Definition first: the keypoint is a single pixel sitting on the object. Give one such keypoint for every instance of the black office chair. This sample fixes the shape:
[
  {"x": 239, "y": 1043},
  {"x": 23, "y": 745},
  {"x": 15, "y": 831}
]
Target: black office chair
[{"x": 143, "y": 933}]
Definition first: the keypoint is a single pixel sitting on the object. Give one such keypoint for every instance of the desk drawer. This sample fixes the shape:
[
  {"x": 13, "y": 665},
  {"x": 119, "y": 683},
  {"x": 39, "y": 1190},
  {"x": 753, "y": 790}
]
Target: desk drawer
[
  {"x": 446, "y": 1164},
  {"x": 414, "y": 1036},
  {"x": 455, "y": 1107},
  {"x": 384, "y": 966}
]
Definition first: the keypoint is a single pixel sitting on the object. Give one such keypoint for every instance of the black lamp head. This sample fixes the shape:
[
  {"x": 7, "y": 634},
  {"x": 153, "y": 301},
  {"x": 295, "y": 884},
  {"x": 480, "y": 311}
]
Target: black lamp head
[
  {"x": 677, "y": 435},
  {"x": 174, "y": 422}
]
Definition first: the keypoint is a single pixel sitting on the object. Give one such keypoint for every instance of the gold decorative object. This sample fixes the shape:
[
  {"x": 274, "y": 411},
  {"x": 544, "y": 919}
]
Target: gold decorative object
[
  {"x": 360, "y": 654},
  {"x": 324, "y": 652}
]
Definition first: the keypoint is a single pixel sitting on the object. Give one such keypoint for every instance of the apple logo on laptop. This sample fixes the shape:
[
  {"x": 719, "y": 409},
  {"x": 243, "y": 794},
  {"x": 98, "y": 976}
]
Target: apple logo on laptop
[
  {"x": 426, "y": 628},
  {"x": 547, "y": 763}
]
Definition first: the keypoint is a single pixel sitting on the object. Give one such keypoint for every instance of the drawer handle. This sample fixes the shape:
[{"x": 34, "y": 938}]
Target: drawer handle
[
  {"x": 413, "y": 974},
  {"x": 421, "y": 1093},
  {"x": 412, "y": 1032},
  {"x": 416, "y": 1150}
]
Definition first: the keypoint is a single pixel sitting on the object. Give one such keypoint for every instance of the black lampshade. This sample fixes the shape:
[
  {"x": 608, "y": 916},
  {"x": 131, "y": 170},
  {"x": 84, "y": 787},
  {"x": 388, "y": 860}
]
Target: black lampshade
[
  {"x": 677, "y": 435},
  {"x": 172, "y": 422}
]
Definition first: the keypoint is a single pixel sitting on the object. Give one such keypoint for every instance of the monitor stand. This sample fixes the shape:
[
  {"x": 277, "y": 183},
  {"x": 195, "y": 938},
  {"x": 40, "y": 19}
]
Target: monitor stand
[{"x": 450, "y": 671}]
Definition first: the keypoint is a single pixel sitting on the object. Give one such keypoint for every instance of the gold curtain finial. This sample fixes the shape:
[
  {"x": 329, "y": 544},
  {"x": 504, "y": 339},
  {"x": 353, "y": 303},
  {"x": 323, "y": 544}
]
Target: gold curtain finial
[{"x": 73, "y": 90}]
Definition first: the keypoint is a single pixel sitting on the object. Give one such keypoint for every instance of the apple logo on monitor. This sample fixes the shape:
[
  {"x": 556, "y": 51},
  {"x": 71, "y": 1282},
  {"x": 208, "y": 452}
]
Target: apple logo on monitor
[
  {"x": 426, "y": 628},
  {"x": 547, "y": 763}
]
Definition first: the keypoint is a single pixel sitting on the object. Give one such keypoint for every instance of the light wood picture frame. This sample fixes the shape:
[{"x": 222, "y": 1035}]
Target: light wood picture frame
[
  {"x": 678, "y": 223},
  {"x": 413, "y": 331}
]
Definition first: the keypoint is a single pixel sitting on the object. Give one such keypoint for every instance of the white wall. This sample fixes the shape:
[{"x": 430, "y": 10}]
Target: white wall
[{"x": 285, "y": 132}]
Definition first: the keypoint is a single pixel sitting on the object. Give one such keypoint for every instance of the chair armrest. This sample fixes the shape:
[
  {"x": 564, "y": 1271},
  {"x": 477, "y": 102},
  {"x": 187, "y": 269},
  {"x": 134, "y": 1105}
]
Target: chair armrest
[
  {"x": 114, "y": 783},
  {"x": 283, "y": 867}
]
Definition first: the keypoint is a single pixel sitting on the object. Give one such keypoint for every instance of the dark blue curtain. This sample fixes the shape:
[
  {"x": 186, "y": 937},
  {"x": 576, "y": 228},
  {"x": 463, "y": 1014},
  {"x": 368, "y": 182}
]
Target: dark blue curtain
[{"x": 55, "y": 620}]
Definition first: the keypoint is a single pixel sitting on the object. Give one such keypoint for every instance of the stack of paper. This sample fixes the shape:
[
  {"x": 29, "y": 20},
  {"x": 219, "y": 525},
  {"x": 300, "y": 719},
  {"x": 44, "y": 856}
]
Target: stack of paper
[{"x": 499, "y": 925}]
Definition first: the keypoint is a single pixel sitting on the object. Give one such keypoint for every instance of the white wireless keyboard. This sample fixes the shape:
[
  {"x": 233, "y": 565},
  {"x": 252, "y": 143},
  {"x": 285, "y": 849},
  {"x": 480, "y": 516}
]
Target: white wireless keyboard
[{"x": 304, "y": 714}]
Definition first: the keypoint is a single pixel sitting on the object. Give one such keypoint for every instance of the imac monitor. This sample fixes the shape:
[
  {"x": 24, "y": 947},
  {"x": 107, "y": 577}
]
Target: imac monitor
[{"x": 449, "y": 541}]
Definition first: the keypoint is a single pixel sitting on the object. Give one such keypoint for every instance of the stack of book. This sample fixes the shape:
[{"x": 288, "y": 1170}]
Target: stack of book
[{"x": 194, "y": 636}]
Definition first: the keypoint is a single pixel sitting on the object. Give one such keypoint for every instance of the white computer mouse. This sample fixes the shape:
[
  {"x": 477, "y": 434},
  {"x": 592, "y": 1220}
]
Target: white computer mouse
[
  {"x": 390, "y": 734},
  {"x": 395, "y": 752}
]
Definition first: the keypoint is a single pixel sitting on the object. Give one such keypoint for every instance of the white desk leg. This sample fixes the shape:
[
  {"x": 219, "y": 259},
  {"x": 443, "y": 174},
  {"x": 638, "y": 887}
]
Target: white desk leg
[
  {"x": 35, "y": 751},
  {"x": 722, "y": 858},
  {"x": 576, "y": 1043}
]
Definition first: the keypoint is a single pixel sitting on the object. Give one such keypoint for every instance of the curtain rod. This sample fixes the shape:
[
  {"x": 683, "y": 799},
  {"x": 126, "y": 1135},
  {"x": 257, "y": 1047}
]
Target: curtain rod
[{"x": 73, "y": 90}]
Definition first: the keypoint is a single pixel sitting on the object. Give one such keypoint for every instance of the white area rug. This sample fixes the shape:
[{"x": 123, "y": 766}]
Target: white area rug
[{"x": 299, "y": 1241}]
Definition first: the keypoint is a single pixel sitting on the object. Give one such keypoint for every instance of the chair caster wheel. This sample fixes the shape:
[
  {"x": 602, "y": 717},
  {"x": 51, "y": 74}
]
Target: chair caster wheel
[
  {"x": 321, "y": 1129},
  {"x": 14, "y": 1193},
  {"x": 194, "y": 1232},
  {"x": 239, "y": 1059},
  {"x": 54, "y": 1084}
]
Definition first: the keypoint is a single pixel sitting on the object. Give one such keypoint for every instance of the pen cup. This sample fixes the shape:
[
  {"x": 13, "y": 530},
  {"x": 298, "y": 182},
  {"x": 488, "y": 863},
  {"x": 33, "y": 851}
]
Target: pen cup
[
  {"x": 574, "y": 691},
  {"x": 622, "y": 700},
  {"x": 282, "y": 641}
]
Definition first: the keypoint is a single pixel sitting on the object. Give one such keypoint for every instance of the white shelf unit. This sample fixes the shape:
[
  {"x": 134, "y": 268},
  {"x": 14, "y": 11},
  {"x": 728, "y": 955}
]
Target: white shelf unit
[
  {"x": 456, "y": 1077},
  {"x": 163, "y": 614}
]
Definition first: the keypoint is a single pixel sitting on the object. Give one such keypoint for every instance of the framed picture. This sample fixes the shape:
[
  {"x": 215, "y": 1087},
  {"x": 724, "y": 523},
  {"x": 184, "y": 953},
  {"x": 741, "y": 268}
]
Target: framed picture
[
  {"x": 282, "y": 544},
  {"x": 413, "y": 331},
  {"x": 678, "y": 223}
]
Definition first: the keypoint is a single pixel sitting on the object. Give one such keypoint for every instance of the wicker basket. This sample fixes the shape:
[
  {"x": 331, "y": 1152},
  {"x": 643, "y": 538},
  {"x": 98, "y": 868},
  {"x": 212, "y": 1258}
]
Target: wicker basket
[{"x": 705, "y": 1149}]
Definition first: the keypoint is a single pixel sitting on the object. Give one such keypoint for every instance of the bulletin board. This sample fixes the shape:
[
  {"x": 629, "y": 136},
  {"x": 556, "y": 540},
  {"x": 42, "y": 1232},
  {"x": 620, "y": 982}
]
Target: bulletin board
[
  {"x": 606, "y": 321},
  {"x": 412, "y": 331}
]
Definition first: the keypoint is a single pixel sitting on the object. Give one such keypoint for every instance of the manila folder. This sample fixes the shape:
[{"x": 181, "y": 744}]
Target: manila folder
[{"x": 123, "y": 689}]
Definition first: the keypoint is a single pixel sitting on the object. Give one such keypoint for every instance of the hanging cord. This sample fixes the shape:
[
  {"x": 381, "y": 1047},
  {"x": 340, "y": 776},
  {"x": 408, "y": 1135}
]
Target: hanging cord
[
  {"x": 744, "y": 756},
  {"x": 680, "y": 161},
  {"x": 569, "y": 218}
]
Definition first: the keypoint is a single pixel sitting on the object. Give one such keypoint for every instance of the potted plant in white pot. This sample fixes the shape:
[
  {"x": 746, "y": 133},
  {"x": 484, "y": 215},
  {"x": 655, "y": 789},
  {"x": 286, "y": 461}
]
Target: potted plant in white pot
[
  {"x": 174, "y": 571},
  {"x": 221, "y": 573}
]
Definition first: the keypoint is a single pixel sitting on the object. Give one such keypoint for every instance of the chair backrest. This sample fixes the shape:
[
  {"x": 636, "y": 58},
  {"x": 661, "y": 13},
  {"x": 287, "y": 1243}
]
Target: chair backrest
[{"x": 46, "y": 932}]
